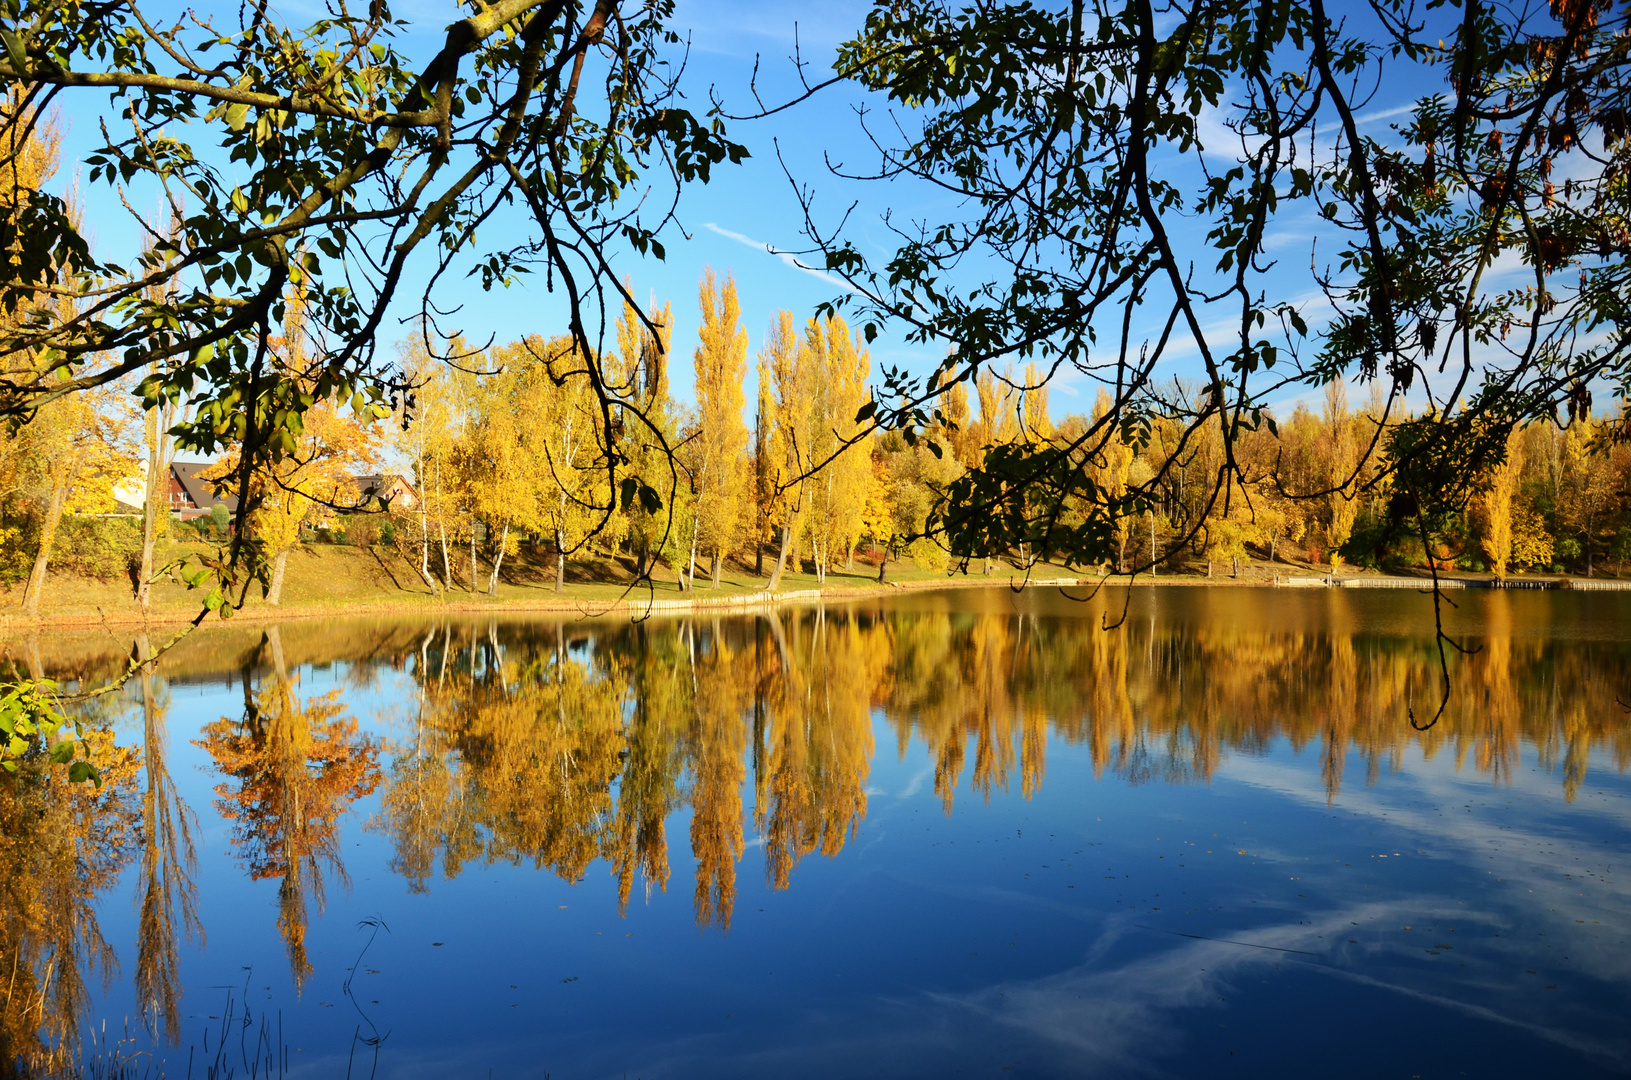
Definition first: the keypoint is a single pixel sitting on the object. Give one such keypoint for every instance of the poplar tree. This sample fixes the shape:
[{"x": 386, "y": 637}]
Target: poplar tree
[
  {"x": 784, "y": 358},
  {"x": 721, "y": 373},
  {"x": 1496, "y": 505},
  {"x": 648, "y": 431},
  {"x": 838, "y": 369}
]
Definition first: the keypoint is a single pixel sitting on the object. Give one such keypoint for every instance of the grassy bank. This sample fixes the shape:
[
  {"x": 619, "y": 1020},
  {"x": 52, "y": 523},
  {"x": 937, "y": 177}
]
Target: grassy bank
[
  {"x": 325, "y": 580},
  {"x": 330, "y": 580}
]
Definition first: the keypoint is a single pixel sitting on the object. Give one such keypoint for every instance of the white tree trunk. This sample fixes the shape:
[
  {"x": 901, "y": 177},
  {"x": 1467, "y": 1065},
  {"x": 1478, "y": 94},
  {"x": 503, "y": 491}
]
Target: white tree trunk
[
  {"x": 424, "y": 556},
  {"x": 560, "y": 559},
  {"x": 498, "y": 560},
  {"x": 274, "y": 592},
  {"x": 48, "y": 536}
]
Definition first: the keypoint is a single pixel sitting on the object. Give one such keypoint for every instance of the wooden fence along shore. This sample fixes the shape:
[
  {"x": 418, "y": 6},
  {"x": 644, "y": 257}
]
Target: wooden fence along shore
[{"x": 1598, "y": 585}]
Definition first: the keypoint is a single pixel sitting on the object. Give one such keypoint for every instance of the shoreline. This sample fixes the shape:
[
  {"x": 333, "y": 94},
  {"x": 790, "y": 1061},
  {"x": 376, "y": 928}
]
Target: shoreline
[{"x": 636, "y": 604}]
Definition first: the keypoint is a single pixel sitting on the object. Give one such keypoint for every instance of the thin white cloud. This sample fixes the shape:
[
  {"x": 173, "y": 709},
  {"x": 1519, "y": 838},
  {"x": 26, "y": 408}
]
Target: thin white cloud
[
  {"x": 1385, "y": 114},
  {"x": 787, "y": 257}
]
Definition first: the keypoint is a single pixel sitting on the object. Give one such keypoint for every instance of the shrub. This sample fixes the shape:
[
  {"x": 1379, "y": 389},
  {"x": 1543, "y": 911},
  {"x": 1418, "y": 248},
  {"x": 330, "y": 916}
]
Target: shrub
[
  {"x": 103, "y": 548},
  {"x": 361, "y": 530},
  {"x": 927, "y": 554}
]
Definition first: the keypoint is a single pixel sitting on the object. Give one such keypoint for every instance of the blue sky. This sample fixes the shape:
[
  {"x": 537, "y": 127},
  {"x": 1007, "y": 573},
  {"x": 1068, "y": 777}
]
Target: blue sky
[{"x": 730, "y": 223}]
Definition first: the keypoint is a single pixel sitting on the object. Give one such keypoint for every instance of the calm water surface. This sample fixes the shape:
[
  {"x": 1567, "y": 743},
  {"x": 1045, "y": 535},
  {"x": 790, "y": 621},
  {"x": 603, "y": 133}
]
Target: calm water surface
[{"x": 956, "y": 834}]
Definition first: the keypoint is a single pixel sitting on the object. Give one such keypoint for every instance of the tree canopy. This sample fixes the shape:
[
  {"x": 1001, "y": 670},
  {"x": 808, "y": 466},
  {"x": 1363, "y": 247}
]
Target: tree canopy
[
  {"x": 1082, "y": 142},
  {"x": 319, "y": 158}
]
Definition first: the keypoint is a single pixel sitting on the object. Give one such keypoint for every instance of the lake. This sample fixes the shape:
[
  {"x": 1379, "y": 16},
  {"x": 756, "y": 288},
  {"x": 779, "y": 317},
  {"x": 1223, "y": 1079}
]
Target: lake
[{"x": 1182, "y": 832}]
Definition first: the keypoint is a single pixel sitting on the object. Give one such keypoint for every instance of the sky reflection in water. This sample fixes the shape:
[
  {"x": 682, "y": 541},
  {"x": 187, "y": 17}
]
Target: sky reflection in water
[{"x": 963, "y": 833}]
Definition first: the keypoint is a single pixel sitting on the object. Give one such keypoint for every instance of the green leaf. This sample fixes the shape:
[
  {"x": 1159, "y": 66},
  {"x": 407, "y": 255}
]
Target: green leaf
[
  {"x": 236, "y": 115},
  {"x": 14, "y": 50},
  {"x": 81, "y": 771},
  {"x": 63, "y": 752}
]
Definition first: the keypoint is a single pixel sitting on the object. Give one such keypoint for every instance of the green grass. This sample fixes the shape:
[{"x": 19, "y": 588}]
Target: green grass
[
  {"x": 331, "y": 578},
  {"x": 327, "y": 578}
]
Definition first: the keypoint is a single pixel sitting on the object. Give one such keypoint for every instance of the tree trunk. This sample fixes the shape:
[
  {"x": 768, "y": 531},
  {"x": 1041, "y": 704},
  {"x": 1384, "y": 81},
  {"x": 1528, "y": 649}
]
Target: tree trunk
[
  {"x": 690, "y": 574},
  {"x": 498, "y": 560},
  {"x": 1153, "y": 569},
  {"x": 274, "y": 592},
  {"x": 1208, "y": 567},
  {"x": 560, "y": 559},
  {"x": 424, "y": 556},
  {"x": 781, "y": 559},
  {"x": 883, "y": 564},
  {"x": 719, "y": 560},
  {"x": 447, "y": 562},
  {"x": 150, "y": 532},
  {"x": 472, "y": 558},
  {"x": 150, "y": 540},
  {"x": 48, "y": 536}
]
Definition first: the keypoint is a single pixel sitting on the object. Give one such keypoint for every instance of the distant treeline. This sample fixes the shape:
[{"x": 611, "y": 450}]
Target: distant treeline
[{"x": 506, "y": 446}]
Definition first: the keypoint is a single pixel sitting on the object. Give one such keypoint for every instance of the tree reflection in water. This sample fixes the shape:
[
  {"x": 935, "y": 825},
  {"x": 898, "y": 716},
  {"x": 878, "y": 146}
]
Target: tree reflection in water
[
  {"x": 293, "y": 767},
  {"x": 563, "y": 744},
  {"x": 558, "y": 744},
  {"x": 61, "y": 846},
  {"x": 169, "y": 859}
]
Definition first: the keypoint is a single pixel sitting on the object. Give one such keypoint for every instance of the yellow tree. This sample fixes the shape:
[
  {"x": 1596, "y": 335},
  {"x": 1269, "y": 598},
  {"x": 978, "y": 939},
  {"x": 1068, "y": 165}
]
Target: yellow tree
[
  {"x": 643, "y": 367},
  {"x": 955, "y": 427},
  {"x": 506, "y": 451},
  {"x": 1110, "y": 468},
  {"x": 444, "y": 479},
  {"x": 763, "y": 492},
  {"x": 783, "y": 359},
  {"x": 71, "y": 451},
  {"x": 722, "y": 437},
  {"x": 425, "y": 436},
  {"x": 838, "y": 368},
  {"x": 999, "y": 422},
  {"x": 77, "y": 449},
  {"x": 1037, "y": 425},
  {"x": 1586, "y": 492},
  {"x": 1341, "y": 459},
  {"x": 1495, "y": 503},
  {"x": 568, "y": 423},
  {"x": 877, "y": 511},
  {"x": 331, "y": 446}
]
